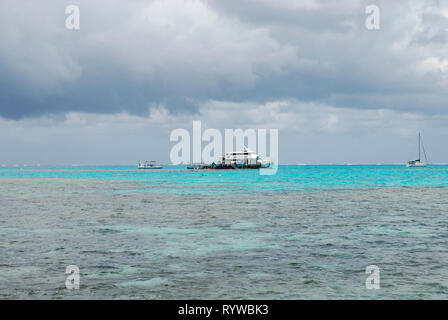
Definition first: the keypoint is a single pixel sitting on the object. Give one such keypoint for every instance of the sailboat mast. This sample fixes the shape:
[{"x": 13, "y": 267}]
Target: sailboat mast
[{"x": 419, "y": 146}]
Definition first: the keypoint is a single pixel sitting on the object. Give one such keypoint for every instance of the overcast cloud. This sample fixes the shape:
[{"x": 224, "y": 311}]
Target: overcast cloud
[{"x": 136, "y": 70}]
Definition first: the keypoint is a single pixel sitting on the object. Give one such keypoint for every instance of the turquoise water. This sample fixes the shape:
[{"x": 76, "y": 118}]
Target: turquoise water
[
  {"x": 306, "y": 232},
  {"x": 175, "y": 179}
]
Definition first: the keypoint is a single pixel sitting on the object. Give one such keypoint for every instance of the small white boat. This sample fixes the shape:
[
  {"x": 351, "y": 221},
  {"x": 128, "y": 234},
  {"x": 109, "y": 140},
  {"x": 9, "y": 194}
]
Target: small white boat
[
  {"x": 418, "y": 162},
  {"x": 149, "y": 165}
]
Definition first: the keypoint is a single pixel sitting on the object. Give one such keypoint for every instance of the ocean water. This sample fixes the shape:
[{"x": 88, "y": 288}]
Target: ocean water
[{"x": 306, "y": 232}]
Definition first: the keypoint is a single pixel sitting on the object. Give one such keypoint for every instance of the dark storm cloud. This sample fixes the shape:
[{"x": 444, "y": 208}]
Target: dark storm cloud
[{"x": 130, "y": 55}]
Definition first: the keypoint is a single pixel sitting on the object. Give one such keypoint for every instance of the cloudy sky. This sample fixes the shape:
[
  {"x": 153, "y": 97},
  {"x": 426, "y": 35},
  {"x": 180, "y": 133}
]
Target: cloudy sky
[{"x": 111, "y": 92}]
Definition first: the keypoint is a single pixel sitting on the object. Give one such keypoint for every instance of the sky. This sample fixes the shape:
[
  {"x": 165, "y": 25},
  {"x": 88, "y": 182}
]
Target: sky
[{"x": 113, "y": 91}]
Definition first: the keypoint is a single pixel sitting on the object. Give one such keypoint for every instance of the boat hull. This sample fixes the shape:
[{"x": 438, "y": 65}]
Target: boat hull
[
  {"x": 148, "y": 168},
  {"x": 416, "y": 165}
]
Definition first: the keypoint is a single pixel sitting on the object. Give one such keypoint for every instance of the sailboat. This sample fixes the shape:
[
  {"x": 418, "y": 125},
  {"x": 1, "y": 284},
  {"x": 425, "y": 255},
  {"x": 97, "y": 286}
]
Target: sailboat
[{"x": 418, "y": 162}]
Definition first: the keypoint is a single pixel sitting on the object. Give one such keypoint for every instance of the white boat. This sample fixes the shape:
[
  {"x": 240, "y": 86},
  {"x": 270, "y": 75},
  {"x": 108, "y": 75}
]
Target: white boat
[
  {"x": 418, "y": 162},
  {"x": 243, "y": 159},
  {"x": 149, "y": 165},
  {"x": 246, "y": 159}
]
